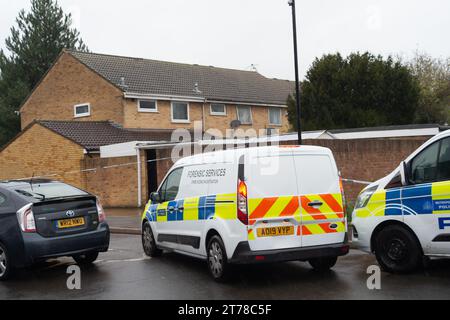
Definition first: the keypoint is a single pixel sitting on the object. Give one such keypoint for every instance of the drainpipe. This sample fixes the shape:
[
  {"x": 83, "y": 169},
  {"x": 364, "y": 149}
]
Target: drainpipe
[{"x": 139, "y": 172}]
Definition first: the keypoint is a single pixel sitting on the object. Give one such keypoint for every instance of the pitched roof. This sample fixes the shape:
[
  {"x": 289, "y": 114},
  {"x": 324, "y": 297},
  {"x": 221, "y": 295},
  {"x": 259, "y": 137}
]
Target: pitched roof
[
  {"x": 91, "y": 135},
  {"x": 152, "y": 77}
]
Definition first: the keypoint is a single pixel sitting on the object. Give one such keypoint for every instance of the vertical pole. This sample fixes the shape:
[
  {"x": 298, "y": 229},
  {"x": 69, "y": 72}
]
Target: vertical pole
[
  {"x": 297, "y": 81},
  {"x": 139, "y": 174}
]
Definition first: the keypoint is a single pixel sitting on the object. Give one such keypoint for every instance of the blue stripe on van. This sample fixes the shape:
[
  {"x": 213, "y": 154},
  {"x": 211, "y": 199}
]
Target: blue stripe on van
[
  {"x": 393, "y": 203},
  {"x": 172, "y": 215},
  {"x": 418, "y": 199},
  {"x": 210, "y": 207},
  {"x": 180, "y": 213}
]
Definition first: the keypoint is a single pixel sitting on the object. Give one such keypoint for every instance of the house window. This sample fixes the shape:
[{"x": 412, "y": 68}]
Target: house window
[
  {"x": 180, "y": 112},
  {"x": 82, "y": 110},
  {"x": 244, "y": 114},
  {"x": 218, "y": 109},
  {"x": 147, "y": 106},
  {"x": 275, "y": 116}
]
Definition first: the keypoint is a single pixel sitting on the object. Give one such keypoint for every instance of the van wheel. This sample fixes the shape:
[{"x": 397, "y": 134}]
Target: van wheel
[
  {"x": 217, "y": 259},
  {"x": 148, "y": 241},
  {"x": 5, "y": 265},
  {"x": 87, "y": 258},
  {"x": 397, "y": 250},
  {"x": 323, "y": 264}
]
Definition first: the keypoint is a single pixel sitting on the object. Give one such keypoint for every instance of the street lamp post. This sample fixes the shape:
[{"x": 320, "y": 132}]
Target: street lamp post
[{"x": 297, "y": 81}]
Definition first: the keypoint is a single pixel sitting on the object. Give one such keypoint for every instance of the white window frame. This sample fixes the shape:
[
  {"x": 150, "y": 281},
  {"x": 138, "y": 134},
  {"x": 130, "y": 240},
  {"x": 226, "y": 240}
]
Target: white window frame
[
  {"x": 211, "y": 112},
  {"x": 178, "y": 120},
  {"x": 145, "y": 109},
  {"x": 80, "y": 115},
  {"x": 281, "y": 117},
  {"x": 251, "y": 114}
]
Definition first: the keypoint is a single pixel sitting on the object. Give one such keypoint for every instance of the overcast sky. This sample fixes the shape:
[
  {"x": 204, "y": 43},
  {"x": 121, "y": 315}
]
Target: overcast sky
[{"x": 239, "y": 33}]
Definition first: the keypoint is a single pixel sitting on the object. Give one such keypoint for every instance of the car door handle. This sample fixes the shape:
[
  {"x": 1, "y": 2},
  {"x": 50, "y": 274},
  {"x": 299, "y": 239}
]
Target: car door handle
[
  {"x": 315, "y": 204},
  {"x": 180, "y": 208},
  {"x": 171, "y": 209}
]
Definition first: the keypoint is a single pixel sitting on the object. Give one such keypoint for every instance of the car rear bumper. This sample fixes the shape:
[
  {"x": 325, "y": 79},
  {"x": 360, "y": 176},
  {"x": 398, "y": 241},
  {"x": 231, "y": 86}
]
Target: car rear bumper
[
  {"x": 39, "y": 248},
  {"x": 243, "y": 254}
]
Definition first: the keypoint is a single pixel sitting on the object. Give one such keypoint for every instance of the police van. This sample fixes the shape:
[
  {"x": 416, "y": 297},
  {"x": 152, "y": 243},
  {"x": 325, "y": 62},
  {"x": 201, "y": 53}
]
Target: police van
[
  {"x": 250, "y": 205},
  {"x": 405, "y": 216}
]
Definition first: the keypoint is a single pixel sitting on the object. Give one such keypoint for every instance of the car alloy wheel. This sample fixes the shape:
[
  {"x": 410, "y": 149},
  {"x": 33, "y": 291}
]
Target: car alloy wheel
[
  {"x": 3, "y": 262},
  {"x": 147, "y": 238},
  {"x": 216, "y": 259}
]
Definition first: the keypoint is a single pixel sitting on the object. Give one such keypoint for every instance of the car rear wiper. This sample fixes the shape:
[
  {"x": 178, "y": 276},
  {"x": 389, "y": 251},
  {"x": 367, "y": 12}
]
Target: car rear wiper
[{"x": 31, "y": 195}]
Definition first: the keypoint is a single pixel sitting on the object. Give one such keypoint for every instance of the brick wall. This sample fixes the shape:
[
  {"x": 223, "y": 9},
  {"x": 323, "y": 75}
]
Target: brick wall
[
  {"x": 39, "y": 151},
  {"x": 69, "y": 83},
  {"x": 162, "y": 118},
  {"x": 114, "y": 180}
]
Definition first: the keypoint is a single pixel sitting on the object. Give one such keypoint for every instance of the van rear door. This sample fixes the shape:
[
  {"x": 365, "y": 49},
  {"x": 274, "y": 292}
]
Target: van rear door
[
  {"x": 322, "y": 213},
  {"x": 273, "y": 203}
]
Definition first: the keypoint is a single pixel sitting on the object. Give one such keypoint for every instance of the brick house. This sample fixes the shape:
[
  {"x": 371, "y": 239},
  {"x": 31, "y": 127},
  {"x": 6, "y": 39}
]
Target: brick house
[
  {"x": 139, "y": 93},
  {"x": 86, "y": 101}
]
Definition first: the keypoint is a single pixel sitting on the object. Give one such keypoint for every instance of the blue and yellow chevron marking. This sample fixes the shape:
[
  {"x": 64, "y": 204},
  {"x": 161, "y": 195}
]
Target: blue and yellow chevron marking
[
  {"x": 430, "y": 198},
  {"x": 221, "y": 206}
]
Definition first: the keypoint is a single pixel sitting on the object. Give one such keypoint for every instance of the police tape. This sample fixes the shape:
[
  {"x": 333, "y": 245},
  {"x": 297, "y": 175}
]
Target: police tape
[
  {"x": 357, "y": 181},
  {"x": 63, "y": 173}
]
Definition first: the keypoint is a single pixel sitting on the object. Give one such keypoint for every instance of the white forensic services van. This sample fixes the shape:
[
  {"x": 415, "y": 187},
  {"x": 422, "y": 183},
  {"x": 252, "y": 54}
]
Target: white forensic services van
[
  {"x": 405, "y": 216},
  {"x": 250, "y": 205}
]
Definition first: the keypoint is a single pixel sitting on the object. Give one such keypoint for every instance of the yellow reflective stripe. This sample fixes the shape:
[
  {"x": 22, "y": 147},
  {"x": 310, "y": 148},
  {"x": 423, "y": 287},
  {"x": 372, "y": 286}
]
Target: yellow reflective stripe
[
  {"x": 315, "y": 229},
  {"x": 341, "y": 227},
  {"x": 441, "y": 191},
  {"x": 190, "y": 211},
  {"x": 162, "y": 206},
  {"x": 376, "y": 205},
  {"x": 251, "y": 235},
  {"x": 226, "y": 211},
  {"x": 253, "y": 203},
  {"x": 278, "y": 207},
  {"x": 144, "y": 214}
]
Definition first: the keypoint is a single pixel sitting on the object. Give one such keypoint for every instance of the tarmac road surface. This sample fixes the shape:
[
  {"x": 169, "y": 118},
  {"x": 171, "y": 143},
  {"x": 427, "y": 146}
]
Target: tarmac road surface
[{"x": 125, "y": 273}]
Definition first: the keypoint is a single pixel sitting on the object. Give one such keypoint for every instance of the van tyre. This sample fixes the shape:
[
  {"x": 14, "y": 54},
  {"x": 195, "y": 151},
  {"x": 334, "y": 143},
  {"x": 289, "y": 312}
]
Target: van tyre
[
  {"x": 217, "y": 259},
  {"x": 87, "y": 258},
  {"x": 397, "y": 250},
  {"x": 148, "y": 241},
  {"x": 323, "y": 264},
  {"x": 5, "y": 264}
]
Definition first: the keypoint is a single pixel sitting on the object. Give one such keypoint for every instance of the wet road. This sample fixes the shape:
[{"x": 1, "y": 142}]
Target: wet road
[{"x": 124, "y": 273}]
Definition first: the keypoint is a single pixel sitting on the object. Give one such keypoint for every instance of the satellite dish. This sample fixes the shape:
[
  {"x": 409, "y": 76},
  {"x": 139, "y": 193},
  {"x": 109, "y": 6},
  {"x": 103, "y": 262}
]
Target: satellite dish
[{"x": 235, "y": 124}]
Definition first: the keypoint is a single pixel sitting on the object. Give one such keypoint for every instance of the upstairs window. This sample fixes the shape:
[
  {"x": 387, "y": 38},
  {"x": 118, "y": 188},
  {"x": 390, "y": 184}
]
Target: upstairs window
[
  {"x": 218, "y": 109},
  {"x": 244, "y": 114},
  {"x": 82, "y": 110},
  {"x": 180, "y": 112},
  {"x": 275, "y": 116},
  {"x": 147, "y": 106}
]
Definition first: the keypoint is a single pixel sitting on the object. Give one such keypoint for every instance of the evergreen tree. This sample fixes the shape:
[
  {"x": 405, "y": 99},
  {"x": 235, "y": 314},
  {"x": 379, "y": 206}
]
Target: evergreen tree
[
  {"x": 361, "y": 90},
  {"x": 34, "y": 44}
]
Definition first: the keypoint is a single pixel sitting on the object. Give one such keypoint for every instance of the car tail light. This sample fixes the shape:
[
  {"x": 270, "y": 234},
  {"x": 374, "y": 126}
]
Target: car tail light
[
  {"x": 101, "y": 212},
  {"x": 25, "y": 217},
  {"x": 242, "y": 202}
]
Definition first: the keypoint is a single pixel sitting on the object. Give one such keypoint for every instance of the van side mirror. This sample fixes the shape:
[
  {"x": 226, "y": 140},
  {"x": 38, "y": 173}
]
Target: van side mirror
[
  {"x": 155, "y": 197},
  {"x": 404, "y": 173}
]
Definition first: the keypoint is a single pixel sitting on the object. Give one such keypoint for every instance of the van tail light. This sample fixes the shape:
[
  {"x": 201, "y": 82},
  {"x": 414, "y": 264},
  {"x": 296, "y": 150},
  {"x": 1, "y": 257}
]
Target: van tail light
[
  {"x": 101, "y": 212},
  {"x": 25, "y": 217},
  {"x": 242, "y": 202},
  {"x": 344, "y": 201}
]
